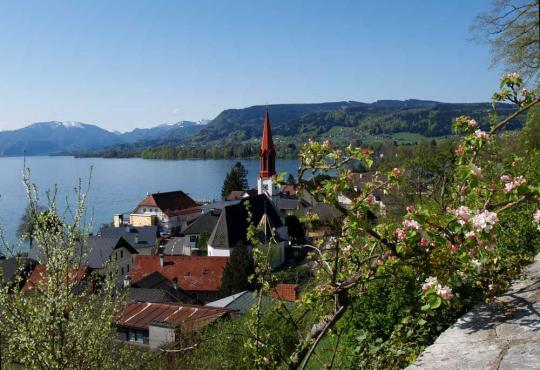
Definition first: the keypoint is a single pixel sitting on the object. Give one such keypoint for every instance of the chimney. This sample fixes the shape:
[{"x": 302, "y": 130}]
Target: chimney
[
  {"x": 127, "y": 281},
  {"x": 118, "y": 220},
  {"x": 161, "y": 260},
  {"x": 175, "y": 283}
]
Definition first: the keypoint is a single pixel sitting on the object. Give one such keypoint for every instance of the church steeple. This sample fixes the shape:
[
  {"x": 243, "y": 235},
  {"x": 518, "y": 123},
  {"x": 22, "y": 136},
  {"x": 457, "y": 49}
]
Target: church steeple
[{"x": 267, "y": 154}]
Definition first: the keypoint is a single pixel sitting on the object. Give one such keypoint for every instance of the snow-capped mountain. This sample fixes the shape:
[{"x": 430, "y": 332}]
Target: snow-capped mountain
[{"x": 54, "y": 137}]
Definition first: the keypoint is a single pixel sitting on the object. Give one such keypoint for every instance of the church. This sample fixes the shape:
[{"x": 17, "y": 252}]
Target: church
[{"x": 231, "y": 220}]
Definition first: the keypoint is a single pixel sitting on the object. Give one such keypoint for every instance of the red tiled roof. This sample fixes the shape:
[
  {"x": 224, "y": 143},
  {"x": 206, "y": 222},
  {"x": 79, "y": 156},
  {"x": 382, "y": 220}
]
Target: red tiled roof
[
  {"x": 139, "y": 315},
  {"x": 171, "y": 203},
  {"x": 194, "y": 273},
  {"x": 40, "y": 274},
  {"x": 285, "y": 292}
]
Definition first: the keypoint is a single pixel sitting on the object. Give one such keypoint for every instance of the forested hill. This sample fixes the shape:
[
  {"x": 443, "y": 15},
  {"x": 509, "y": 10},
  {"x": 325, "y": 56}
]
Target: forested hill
[
  {"x": 236, "y": 132},
  {"x": 428, "y": 118}
]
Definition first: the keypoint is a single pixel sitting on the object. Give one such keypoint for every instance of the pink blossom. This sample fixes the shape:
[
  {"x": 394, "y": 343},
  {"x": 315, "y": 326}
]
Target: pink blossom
[
  {"x": 445, "y": 292},
  {"x": 370, "y": 199},
  {"x": 472, "y": 123},
  {"x": 463, "y": 214},
  {"x": 536, "y": 217},
  {"x": 327, "y": 143},
  {"x": 453, "y": 248},
  {"x": 489, "y": 247},
  {"x": 512, "y": 184},
  {"x": 396, "y": 172},
  {"x": 400, "y": 233},
  {"x": 423, "y": 242},
  {"x": 459, "y": 150},
  {"x": 411, "y": 224},
  {"x": 482, "y": 134},
  {"x": 349, "y": 248},
  {"x": 470, "y": 235},
  {"x": 430, "y": 281},
  {"x": 506, "y": 178},
  {"x": 410, "y": 208},
  {"x": 485, "y": 221},
  {"x": 476, "y": 171}
]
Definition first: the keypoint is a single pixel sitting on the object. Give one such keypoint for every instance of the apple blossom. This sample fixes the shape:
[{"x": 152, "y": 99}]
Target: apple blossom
[
  {"x": 482, "y": 134},
  {"x": 445, "y": 292},
  {"x": 430, "y": 282},
  {"x": 463, "y": 214},
  {"x": 476, "y": 171},
  {"x": 485, "y": 221},
  {"x": 411, "y": 224}
]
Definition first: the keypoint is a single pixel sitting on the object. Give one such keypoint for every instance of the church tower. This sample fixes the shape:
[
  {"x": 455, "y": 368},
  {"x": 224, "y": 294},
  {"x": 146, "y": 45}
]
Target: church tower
[{"x": 266, "y": 183}]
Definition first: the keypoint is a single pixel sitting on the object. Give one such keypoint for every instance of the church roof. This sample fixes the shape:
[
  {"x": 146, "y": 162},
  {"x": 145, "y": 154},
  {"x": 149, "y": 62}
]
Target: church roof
[
  {"x": 266, "y": 143},
  {"x": 232, "y": 225}
]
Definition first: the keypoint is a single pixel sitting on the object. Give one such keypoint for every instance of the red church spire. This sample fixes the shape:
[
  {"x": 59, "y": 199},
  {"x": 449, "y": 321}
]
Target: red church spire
[{"x": 268, "y": 153}]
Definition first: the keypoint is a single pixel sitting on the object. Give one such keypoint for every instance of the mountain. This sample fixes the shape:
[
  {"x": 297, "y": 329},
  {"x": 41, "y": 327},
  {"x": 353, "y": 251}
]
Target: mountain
[
  {"x": 46, "y": 138},
  {"x": 355, "y": 120},
  {"x": 55, "y": 137},
  {"x": 178, "y": 130}
]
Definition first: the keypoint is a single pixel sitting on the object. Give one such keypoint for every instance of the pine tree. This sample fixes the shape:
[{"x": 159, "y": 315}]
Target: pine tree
[
  {"x": 236, "y": 179},
  {"x": 237, "y": 271}
]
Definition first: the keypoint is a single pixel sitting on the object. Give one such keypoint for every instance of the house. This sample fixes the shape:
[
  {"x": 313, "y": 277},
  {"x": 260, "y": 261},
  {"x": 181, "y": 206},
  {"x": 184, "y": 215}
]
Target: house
[
  {"x": 242, "y": 302},
  {"x": 143, "y": 238},
  {"x": 76, "y": 277},
  {"x": 197, "y": 275},
  {"x": 156, "y": 288},
  {"x": 169, "y": 211},
  {"x": 232, "y": 226},
  {"x": 193, "y": 235},
  {"x": 104, "y": 249},
  {"x": 154, "y": 325}
]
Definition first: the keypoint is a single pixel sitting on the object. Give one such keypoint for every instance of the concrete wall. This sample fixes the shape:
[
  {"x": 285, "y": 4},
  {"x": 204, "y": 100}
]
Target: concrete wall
[
  {"x": 140, "y": 220},
  {"x": 218, "y": 252},
  {"x": 160, "y": 335}
]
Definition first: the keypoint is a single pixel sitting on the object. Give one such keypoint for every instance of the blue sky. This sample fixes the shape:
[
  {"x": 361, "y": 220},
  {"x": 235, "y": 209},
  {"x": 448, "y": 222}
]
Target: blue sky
[{"x": 126, "y": 64}]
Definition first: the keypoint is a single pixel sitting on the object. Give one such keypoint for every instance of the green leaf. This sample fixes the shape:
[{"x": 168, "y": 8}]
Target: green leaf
[{"x": 434, "y": 301}]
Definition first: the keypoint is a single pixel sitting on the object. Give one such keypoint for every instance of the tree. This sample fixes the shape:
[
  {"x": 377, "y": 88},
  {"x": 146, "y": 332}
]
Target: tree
[
  {"x": 236, "y": 179},
  {"x": 237, "y": 271},
  {"x": 66, "y": 322},
  {"x": 290, "y": 179},
  {"x": 512, "y": 29},
  {"x": 26, "y": 226},
  {"x": 440, "y": 248}
]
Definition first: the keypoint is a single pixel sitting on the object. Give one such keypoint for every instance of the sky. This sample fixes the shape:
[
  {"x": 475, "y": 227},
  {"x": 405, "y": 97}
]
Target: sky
[{"x": 126, "y": 64}]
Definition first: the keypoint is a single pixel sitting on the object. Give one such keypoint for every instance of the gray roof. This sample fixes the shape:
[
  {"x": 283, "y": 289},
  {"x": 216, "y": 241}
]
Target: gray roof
[
  {"x": 146, "y": 236},
  {"x": 152, "y": 295},
  {"x": 204, "y": 224},
  {"x": 232, "y": 225},
  {"x": 100, "y": 249},
  {"x": 173, "y": 246},
  {"x": 218, "y": 205},
  {"x": 287, "y": 203},
  {"x": 156, "y": 286},
  {"x": 241, "y": 302}
]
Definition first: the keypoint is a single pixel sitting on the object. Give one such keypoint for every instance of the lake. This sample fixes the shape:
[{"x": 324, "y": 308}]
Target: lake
[{"x": 117, "y": 185}]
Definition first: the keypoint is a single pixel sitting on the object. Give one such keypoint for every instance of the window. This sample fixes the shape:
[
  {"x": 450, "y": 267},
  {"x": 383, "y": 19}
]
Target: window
[
  {"x": 121, "y": 254},
  {"x": 122, "y": 271},
  {"x": 193, "y": 238},
  {"x": 128, "y": 268}
]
